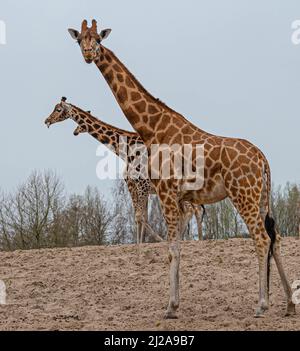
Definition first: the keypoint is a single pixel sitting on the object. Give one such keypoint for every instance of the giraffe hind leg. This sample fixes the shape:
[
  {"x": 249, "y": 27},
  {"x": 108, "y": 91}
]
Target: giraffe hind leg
[
  {"x": 199, "y": 214},
  {"x": 186, "y": 214},
  {"x": 251, "y": 214},
  {"x": 291, "y": 308},
  {"x": 275, "y": 252}
]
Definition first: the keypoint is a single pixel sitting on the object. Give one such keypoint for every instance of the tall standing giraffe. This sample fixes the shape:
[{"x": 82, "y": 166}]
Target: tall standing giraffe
[
  {"x": 139, "y": 188},
  {"x": 233, "y": 167}
]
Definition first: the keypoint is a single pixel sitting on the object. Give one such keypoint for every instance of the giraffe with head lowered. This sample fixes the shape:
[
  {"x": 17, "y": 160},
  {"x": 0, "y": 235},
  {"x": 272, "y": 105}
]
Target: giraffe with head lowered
[
  {"x": 232, "y": 167},
  {"x": 139, "y": 187}
]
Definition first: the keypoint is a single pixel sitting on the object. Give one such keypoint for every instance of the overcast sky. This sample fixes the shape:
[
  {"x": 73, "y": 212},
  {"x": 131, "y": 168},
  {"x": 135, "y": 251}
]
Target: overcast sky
[{"x": 228, "y": 65}]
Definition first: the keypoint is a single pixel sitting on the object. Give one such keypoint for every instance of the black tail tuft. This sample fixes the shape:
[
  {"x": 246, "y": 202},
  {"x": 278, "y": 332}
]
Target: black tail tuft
[{"x": 270, "y": 228}]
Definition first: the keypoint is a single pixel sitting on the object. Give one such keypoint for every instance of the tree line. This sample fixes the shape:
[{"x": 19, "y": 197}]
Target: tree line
[{"x": 39, "y": 214}]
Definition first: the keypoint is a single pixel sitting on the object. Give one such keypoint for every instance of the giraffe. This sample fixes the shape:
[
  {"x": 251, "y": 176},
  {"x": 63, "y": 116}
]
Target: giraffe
[
  {"x": 233, "y": 168},
  {"x": 140, "y": 188}
]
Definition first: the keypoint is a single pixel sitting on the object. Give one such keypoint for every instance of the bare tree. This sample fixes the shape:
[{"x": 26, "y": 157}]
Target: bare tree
[
  {"x": 222, "y": 221},
  {"x": 27, "y": 214},
  {"x": 39, "y": 214},
  {"x": 123, "y": 223},
  {"x": 95, "y": 218},
  {"x": 5, "y": 230},
  {"x": 156, "y": 217},
  {"x": 285, "y": 206}
]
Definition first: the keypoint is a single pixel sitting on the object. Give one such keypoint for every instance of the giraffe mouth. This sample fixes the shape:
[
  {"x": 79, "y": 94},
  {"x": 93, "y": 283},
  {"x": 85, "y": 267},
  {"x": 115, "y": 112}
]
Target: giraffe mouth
[{"x": 48, "y": 124}]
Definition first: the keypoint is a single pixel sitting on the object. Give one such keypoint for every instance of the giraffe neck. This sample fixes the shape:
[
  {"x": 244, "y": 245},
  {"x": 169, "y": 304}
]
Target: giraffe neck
[
  {"x": 143, "y": 111},
  {"x": 106, "y": 134}
]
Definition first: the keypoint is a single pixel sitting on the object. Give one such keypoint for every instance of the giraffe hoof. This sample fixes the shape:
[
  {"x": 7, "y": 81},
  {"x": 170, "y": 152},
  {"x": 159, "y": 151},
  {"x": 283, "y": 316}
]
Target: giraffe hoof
[
  {"x": 291, "y": 309},
  {"x": 262, "y": 307},
  {"x": 170, "y": 315},
  {"x": 259, "y": 313}
]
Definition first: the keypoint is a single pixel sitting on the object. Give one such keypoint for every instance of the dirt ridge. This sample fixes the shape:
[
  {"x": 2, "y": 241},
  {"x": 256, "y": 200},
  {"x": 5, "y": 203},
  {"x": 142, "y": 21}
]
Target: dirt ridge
[{"x": 118, "y": 288}]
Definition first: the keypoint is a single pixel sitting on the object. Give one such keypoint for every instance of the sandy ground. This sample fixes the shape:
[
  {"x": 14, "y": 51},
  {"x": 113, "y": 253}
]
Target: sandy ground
[{"x": 115, "y": 288}]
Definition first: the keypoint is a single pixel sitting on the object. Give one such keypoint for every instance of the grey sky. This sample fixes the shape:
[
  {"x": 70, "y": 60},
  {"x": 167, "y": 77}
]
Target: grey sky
[{"x": 228, "y": 65}]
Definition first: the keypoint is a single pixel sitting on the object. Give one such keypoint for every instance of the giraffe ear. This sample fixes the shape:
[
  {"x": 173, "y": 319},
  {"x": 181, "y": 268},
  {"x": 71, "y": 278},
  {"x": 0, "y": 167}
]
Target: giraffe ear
[
  {"x": 104, "y": 33},
  {"x": 74, "y": 33}
]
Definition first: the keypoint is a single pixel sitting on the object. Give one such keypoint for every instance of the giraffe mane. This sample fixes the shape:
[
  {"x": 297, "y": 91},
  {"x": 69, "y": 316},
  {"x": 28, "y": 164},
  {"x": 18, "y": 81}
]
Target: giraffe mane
[{"x": 140, "y": 86}]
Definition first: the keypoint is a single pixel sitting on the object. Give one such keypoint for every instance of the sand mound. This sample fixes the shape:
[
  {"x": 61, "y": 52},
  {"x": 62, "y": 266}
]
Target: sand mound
[{"x": 115, "y": 288}]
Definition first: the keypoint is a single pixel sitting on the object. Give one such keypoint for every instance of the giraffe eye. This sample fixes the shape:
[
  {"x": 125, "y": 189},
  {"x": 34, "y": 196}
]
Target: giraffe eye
[
  {"x": 98, "y": 41},
  {"x": 58, "y": 109},
  {"x": 79, "y": 41}
]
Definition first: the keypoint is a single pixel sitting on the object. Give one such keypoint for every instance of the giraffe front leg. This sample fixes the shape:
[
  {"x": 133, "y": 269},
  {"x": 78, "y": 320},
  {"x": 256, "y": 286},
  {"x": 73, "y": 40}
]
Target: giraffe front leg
[
  {"x": 174, "y": 259},
  {"x": 139, "y": 214},
  {"x": 142, "y": 231},
  {"x": 137, "y": 233},
  {"x": 173, "y": 216},
  {"x": 139, "y": 228}
]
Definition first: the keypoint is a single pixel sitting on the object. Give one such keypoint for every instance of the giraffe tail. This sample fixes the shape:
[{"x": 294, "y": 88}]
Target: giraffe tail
[{"x": 270, "y": 228}]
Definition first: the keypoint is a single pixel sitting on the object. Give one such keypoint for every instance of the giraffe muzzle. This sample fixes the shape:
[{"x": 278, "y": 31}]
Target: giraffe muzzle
[{"x": 48, "y": 123}]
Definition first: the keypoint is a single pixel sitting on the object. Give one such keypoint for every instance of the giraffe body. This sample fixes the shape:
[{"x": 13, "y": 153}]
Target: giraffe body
[{"x": 233, "y": 167}]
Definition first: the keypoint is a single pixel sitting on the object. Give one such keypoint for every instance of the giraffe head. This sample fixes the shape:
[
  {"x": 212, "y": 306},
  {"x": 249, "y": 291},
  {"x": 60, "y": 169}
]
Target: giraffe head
[
  {"x": 60, "y": 113},
  {"x": 89, "y": 39},
  {"x": 80, "y": 129}
]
